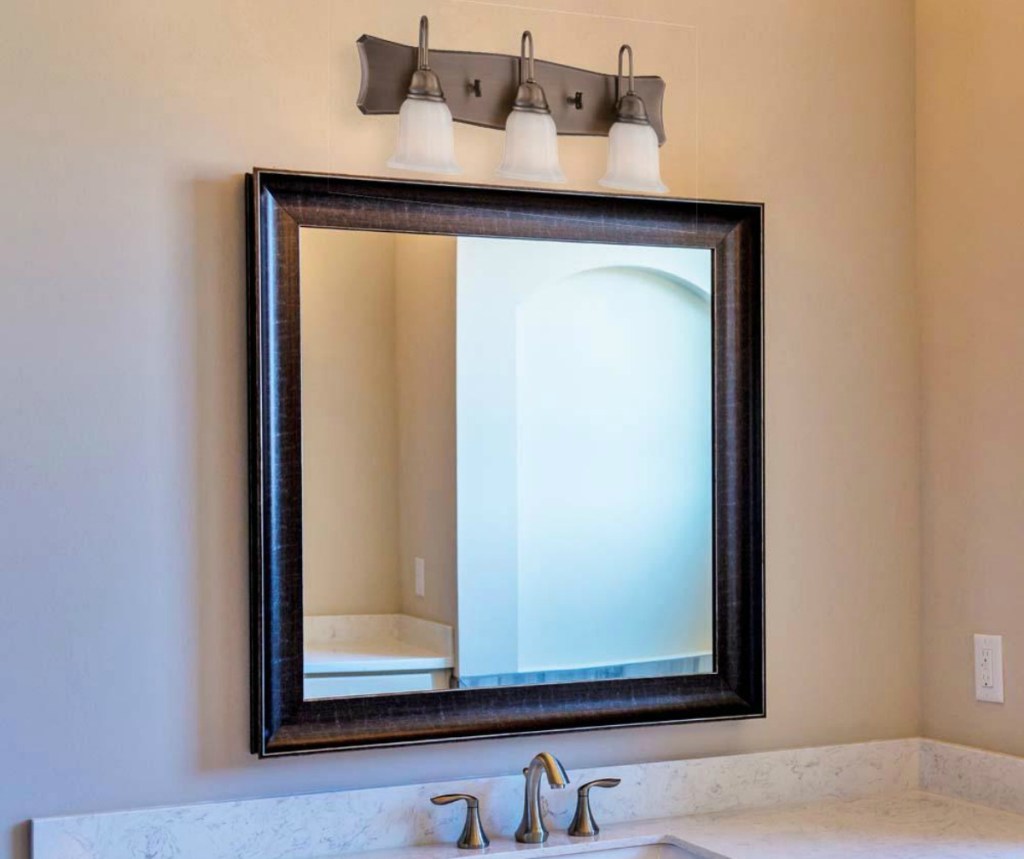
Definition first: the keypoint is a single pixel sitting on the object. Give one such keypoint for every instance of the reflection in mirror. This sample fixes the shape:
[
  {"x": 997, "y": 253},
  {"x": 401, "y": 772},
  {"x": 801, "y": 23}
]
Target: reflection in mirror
[{"x": 506, "y": 462}]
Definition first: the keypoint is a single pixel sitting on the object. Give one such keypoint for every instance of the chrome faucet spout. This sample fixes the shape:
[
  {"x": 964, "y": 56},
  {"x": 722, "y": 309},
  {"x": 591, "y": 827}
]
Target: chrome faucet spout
[{"x": 532, "y": 829}]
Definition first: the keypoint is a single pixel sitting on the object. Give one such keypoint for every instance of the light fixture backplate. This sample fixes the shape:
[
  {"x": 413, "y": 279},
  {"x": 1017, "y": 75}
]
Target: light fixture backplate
[{"x": 388, "y": 66}]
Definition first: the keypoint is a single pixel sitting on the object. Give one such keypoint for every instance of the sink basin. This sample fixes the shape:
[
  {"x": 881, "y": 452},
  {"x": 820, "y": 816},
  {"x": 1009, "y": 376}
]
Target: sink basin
[{"x": 660, "y": 850}]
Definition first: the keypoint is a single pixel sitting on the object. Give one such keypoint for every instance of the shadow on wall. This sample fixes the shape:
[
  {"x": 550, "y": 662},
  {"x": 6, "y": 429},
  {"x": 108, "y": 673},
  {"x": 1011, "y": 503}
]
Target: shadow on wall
[
  {"x": 20, "y": 833},
  {"x": 216, "y": 404}
]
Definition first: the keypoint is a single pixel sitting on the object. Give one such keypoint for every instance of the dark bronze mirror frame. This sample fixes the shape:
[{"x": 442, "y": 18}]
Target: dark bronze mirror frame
[{"x": 279, "y": 203}]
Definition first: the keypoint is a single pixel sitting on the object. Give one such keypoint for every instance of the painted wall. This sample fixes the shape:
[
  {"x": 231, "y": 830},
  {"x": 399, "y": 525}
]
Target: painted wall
[
  {"x": 613, "y": 397},
  {"x": 970, "y": 171},
  {"x": 378, "y": 429},
  {"x": 567, "y": 353},
  {"x": 127, "y": 127},
  {"x": 350, "y": 467},
  {"x": 425, "y": 343}
]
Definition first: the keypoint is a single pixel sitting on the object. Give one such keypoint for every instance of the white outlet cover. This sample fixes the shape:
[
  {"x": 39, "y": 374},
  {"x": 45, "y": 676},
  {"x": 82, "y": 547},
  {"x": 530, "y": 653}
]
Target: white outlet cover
[
  {"x": 421, "y": 577},
  {"x": 988, "y": 668}
]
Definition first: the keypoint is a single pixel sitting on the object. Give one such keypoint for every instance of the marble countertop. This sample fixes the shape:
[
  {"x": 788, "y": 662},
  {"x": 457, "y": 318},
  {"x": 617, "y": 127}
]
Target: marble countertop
[
  {"x": 905, "y": 825},
  {"x": 368, "y": 657},
  {"x": 889, "y": 799},
  {"x": 373, "y": 643}
]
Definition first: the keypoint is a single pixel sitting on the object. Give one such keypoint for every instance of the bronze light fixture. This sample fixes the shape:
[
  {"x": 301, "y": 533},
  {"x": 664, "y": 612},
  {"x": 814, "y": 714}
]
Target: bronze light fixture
[
  {"x": 531, "y": 137},
  {"x": 633, "y": 163},
  {"x": 426, "y": 138},
  {"x": 532, "y": 100}
]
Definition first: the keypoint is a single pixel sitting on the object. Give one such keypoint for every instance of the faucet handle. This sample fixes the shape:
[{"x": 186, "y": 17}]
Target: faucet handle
[
  {"x": 583, "y": 824},
  {"x": 473, "y": 836}
]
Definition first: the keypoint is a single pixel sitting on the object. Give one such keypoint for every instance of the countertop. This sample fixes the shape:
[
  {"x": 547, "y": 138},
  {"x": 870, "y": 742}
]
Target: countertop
[
  {"x": 889, "y": 799},
  {"x": 374, "y": 643},
  {"x": 369, "y": 657},
  {"x": 905, "y": 825}
]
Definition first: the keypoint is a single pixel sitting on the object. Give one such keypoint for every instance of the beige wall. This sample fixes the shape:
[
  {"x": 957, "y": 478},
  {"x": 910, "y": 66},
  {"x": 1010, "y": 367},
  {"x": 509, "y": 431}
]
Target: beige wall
[
  {"x": 349, "y": 423},
  {"x": 425, "y": 344},
  {"x": 970, "y": 174},
  {"x": 127, "y": 127},
  {"x": 378, "y": 422}
]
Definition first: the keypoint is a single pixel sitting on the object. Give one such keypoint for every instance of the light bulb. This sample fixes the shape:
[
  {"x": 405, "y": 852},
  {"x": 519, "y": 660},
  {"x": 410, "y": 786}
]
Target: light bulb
[
  {"x": 531, "y": 148},
  {"x": 633, "y": 162},
  {"x": 426, "y": 138}
]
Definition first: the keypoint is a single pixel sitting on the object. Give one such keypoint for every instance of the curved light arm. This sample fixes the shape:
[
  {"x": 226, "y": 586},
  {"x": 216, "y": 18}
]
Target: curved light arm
[
  {"x": 423, "y": 51},
  {"x": 626, "y": 50},
  {"x": 525, "y": 58}
]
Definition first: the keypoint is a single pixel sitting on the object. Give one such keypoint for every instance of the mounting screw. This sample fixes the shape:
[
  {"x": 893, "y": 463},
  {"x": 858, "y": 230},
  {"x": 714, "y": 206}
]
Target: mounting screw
[
  {"x": 474, "y": 87},
  {"x": 576, "y": 100}
]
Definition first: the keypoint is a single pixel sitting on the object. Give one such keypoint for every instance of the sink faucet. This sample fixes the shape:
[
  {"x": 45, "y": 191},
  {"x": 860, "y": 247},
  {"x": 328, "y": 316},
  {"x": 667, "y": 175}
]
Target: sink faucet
[{"x": 531, "y": 829}]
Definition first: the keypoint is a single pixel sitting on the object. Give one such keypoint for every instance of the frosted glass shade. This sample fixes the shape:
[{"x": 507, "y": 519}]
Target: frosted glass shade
[
  {"x": 531, "y": 148},
  {"x": 633, "y": 163},
  {"x": 426, "y": 138}
]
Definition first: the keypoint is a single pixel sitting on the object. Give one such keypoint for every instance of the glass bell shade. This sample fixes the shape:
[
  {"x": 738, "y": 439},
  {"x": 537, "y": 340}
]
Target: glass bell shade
[
  {"x": 531, "y": 148},
  {"x": 633, "y": 163},
  {"x": 426, "y": 138}
]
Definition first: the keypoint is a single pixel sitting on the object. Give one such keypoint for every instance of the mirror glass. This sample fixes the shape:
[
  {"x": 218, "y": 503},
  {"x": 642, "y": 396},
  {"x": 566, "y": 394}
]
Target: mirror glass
[{"x": 506, "y": 462}]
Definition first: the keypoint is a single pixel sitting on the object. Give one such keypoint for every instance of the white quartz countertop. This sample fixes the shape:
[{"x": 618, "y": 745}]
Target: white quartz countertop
[
  {"x": 371, "y": 656},
  {"x": 905, "y": 825},
  {"x": 368, "y": 644},
  {"x": 890, "y": 799}
]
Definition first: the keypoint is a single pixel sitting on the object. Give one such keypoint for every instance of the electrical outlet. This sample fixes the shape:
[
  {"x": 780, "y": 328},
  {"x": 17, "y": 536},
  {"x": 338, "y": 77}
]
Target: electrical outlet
[
  {"x": 988, "y": 668},
  {"x": 421, "y": 577}
]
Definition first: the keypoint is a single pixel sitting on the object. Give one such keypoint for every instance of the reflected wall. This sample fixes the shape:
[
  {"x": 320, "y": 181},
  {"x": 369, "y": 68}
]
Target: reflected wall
[{"x": 506, "y": 451}]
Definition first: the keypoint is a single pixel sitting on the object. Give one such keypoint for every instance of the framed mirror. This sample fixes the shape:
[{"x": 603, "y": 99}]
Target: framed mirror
[{"x": 505, "y": 461}]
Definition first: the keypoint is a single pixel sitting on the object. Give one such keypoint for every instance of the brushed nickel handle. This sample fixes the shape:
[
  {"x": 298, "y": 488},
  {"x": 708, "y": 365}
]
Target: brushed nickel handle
[
  {"x": 583, "y": 824},
  {"x": 473, "y": 836}
]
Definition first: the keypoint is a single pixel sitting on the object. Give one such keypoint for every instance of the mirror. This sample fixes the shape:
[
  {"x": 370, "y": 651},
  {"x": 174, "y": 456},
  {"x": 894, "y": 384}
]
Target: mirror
[{"x": 506, "y": 462}]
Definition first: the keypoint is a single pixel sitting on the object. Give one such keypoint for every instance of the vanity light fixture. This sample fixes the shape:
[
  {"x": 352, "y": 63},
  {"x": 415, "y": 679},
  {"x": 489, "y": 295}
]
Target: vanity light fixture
[
  {"x": 633, "y": 163},
  {"x": 426, "y": 135},
  {"x": 531, "y": 138},
  {"x": 547, "y": 99}
]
